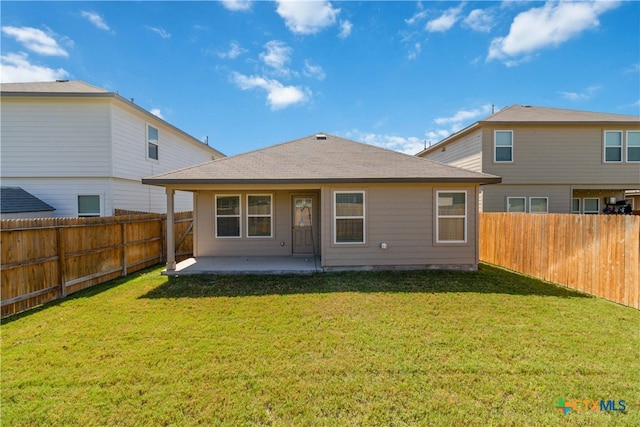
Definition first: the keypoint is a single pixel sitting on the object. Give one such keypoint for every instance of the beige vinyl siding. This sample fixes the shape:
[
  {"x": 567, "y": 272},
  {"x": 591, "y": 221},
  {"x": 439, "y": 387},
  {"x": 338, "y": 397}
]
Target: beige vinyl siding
[
  {"x": 207, "y": 244},
  {"x": 400, "y": 215},
  {"x": 55, "y": 138},
  {"x": 403, "y": 217},
  {"x": 556, "y": 154},
  {"x": 464, "y": 153},
  {"x": 495, "y": 196}
]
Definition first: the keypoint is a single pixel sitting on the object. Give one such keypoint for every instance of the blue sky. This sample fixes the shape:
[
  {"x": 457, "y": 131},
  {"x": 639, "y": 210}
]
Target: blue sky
[{"x": 394, "y": 74}]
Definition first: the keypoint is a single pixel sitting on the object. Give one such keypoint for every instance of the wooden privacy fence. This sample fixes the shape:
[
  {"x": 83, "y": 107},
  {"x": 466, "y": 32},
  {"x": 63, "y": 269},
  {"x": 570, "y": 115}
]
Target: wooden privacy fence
[
  {"x": 49, "y": 258},
  {"x": 594, "y": 254}
]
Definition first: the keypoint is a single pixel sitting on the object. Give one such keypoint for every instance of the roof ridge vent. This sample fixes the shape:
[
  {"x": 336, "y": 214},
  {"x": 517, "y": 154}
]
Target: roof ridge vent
[{"x": 321, "y": 137}]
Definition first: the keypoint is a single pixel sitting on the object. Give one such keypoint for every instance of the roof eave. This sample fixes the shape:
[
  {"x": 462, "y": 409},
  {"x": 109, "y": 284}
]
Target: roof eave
[{"x": 205, "y": 181}]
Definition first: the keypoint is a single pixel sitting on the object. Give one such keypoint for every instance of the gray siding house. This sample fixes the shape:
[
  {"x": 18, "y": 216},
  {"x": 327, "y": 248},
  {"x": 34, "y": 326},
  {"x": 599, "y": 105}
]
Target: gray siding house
[
  {"x": 353, "y": 205},
  {"x": 550, "y": 160}
]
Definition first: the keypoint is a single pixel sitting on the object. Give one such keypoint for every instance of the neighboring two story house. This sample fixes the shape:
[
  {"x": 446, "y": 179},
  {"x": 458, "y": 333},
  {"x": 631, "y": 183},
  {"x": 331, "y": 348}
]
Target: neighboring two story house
[
  {"x": 550, "y": 160},
  {"x": 83, "y": 150}
]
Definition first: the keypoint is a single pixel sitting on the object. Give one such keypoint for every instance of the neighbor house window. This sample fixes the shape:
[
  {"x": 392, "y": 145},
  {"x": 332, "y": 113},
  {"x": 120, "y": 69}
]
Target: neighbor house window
[
  {"x": 575, "y": 205},
  {"x": 612, "y": 146},
  {"x": 633, "y": 146},
  {"x": 89, "y": 205},
  {"x": 152, "y": 142},
  {"x": 516, "y": 204},
  {"x": 538, "y": 204},
  {"x": 259, "y": 213},
  {"x": 591, "y": 205},
  {"x": 227, "y": 216},
  {"x": 504, "y": 146},
  {"x": 349, "y": 217},
  {"x": 451, "y": 226}
]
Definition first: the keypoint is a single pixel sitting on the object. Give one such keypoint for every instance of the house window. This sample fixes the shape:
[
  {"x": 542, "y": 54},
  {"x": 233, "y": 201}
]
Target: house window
[
  {"x": 152, "y": 142},
  {"x": 89, "y": 205},
  {"x": 575, "y": 205},
  {"x": 538, "y": 204},
  {"x": 451, "y": 217},
  {"x": 228, "y": 216},
  {"x": 612, "y": 146},
  {"x": 349, "y": 217},
  {"x": 259, "y": 213},
  {"x": 516, "y": 204},
  {"x": 504, "y": 146},
  {"x": 633, "y": 146},
  {"x": 591, "y": 205}
]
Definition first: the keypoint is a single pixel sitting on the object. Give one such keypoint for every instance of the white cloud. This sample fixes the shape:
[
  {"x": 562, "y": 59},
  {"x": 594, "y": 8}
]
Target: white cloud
[
  {"x": 156, "y": 112},
  {"x": 234, "y": 51},
  {"x": 35, "y": 40},
  {"x": 464, "y": 116},
  {"x": 633, "y": 69},
  {"x": 445, "y": 21},
  {"x": 96, "y": 20},
  {"x": 418, "y": 16},
  {"x": 16, "y": 68},
  {"x": 237, "y": 5},
  {"x": 307, "y": 17},
  {"x": 278, "y": 95},
  {"x": 479, "y": 20},
  {"x": 549, "y": 25},
  {"x": 315, "y": 71},
  {"x": 345, "y": 29},
  {"x": 579, "y": 96},
  {"x": 415, "y": 51},
  {"x": 408, "y": 145},
  {"x": 277, "y": 56},
  {"x": 159, "y": 31}
]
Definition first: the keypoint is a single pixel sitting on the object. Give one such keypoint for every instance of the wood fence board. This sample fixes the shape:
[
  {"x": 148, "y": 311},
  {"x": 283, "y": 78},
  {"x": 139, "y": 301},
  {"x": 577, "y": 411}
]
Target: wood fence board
[
  {"x": 45, "y": 258},
  {"x": 595, "y": 254}
]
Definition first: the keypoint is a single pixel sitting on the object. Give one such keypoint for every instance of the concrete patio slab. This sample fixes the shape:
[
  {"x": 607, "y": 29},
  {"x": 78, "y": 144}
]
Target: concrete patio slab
[{"x": 247, "y": 265}]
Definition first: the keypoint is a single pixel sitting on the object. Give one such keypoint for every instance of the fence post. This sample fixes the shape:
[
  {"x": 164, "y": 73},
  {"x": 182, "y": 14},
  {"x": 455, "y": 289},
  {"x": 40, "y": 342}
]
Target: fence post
[
  {"x": 61, "y": 262},
  {"x": 123, "y": 234}
]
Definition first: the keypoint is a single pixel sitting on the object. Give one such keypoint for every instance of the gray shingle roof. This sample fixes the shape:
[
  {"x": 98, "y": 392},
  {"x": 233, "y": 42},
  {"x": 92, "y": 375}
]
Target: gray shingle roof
[
  {"x": 531, "y": 114},
  {"x": 315, "y": 160},
  {"x": 15, "y": 199}
]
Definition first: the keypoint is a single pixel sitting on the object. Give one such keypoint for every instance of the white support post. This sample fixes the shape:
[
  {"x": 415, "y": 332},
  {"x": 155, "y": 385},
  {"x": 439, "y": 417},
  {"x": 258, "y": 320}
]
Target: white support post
[{"x": 171, "y": 248}]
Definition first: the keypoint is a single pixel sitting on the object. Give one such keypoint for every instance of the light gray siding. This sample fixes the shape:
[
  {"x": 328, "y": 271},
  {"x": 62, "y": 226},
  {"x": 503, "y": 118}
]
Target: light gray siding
[{"x": 55, "y": 138}]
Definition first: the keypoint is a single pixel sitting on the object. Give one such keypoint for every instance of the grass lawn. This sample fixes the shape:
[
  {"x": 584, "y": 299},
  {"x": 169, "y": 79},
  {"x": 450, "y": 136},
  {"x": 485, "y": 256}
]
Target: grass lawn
[{"x": 393, "y": 348}]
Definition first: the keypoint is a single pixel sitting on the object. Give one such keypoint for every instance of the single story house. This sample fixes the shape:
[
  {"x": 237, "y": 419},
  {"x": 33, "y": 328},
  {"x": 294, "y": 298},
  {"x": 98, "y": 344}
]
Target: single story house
[{"x": 352, "y": 205}]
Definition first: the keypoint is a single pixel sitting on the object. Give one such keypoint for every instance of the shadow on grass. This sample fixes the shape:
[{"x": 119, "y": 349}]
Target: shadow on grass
[{"x": 488, "y": 279}]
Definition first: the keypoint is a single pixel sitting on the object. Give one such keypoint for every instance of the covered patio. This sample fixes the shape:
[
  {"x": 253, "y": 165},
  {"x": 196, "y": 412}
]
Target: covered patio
[{"x": 247, "y": 265}]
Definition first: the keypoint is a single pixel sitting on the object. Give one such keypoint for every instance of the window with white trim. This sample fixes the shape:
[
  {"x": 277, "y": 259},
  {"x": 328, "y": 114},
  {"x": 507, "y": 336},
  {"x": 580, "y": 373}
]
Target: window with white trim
[
  {"x": 613, "y": 146},
  {"x": 575, "y": 205},
  {"x": 227, "y": 215},
  {"x": 591, "y": 205},
  {"x": 538, "y": 204},
  {"x": 89, "y": 205},
  {"x": 349, "y": 218},
  {"x": 152, "y": 142},
  {"x": 516, "y": 204},
  {"x": 503, "y": 146},
  {"x": 451, "y": 217},
  {"x": 633, "y": 146},
  {"x": 259, "y": 215}
]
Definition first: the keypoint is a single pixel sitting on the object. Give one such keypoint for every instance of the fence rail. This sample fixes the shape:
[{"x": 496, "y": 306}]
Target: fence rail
[
  {"x": 594, "y": 254},
  {"x": 48, "y": 258}
]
